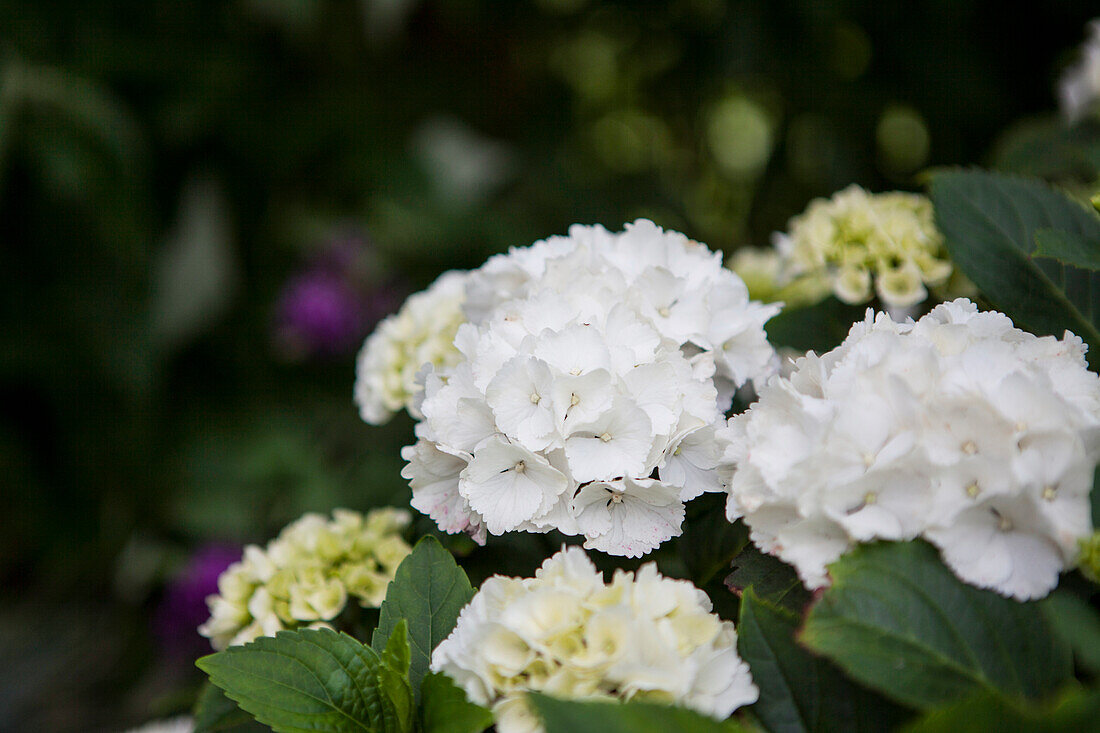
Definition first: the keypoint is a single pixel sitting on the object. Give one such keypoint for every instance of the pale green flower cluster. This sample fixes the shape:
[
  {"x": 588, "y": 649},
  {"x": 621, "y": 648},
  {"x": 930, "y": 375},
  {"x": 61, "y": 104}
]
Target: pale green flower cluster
[
  {"x": 305, "y": 576},
  {"x": 765, "y": 274},
  {"x": 422, "y": 332},
  {"x": 569, "y": 634},
  {"x": 859, "y": 244}
]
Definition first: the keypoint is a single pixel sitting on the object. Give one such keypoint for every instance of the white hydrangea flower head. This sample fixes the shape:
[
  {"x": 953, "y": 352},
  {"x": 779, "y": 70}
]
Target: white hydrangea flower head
[
  {"x": 1079, "y": 87},
  {"x": 567, "y": 633},
  {"x": 422, "y": 332},
  {"x": 306, "y": 576},
  {"x": 861, "y": 245},
  {"x": 594, "y": 370},
  {"x": 958, "y": 428}
]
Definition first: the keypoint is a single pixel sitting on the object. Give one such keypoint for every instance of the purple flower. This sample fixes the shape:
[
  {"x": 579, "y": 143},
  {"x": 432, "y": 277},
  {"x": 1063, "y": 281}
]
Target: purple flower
[
  {"x": 331, "y": 305},
  {"x": 183, "y": 607},
  {"x": 320, "y": 313}
]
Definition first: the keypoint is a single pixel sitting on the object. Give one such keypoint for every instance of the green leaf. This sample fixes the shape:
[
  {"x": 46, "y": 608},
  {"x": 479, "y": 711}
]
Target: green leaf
[
  {"x": 567, "y": 716},
  {"x": 798, "y": 691},
  {"x": 1078, "y": 624},
  {"x": 1045, "y": 147},
  {"x": 393, "y": 675},
  {"x": 1067, "y": 248},
  {"x": 772, "y": 579},
  {"x": 216, "y": 713},
  {"x": 897, "y": 620},
  {"x": 820, "y": 327},
  {"x": 709, "y": 542},
  {"x": 445, "y": 709},
  {"x": 428, "y": 592},
  {"x": 1077, "y": 710},
  {"x": 990, "y": 222},
  {"x": 396, "y": 653},
  {"x": 308, "y": 680}
]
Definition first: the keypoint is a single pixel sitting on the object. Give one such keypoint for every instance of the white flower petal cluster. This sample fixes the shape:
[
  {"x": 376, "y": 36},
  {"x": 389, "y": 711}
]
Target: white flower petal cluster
[
  {"x": 675, "y": 284},
  {"x": 422, "y": 332},
  {"x": 586, "y": 400},
  {"x": 1079, "y": 87},
  {"x": 958, "y": 428},
  {"x": 865, "y": 244},
  {"x": 567, "y": 633},
  {"x": 306, "y": 575}
]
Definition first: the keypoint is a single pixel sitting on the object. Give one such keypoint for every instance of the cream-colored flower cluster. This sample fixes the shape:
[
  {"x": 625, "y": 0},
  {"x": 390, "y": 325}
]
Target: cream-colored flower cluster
[
  {"x": 305, "y": 576},
  {"x": 567, "y": 633},
  {"x": 862, "y": 244},
  {"x": 422, "y": 332}
]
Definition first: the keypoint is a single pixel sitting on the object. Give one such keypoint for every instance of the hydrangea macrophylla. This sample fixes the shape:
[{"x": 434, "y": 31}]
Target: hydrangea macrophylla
[
  {"x": 1079, "y": 87},
  {"x": 568, "y": 633},
  {"x": 306, "y": 575},
  {"x": 861, "y": 244},
  {"x": 958, "y": 428},
  {"x": 422, "y": 332},
  {"x": 594, "y": 369}
]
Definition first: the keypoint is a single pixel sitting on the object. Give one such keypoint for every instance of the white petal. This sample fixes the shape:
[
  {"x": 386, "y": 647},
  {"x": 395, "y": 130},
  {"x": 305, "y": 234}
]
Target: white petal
[
  {"x": 628, "y": 517},
  {"x": 616, "y": 444},
  {"x": 509, "y": 485}
]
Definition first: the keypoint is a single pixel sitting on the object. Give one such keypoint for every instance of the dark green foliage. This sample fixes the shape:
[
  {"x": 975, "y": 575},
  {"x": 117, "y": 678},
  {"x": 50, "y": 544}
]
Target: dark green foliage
[
  {"x": 1074, "y": 712},
  {"x": 991, "y": 221},
  {"x": 427, "y": 594},
  {"x": 216, "y": 713},
  {"x": 445, "y": 709},
  {"x": 770, "y": 578},
  {"x": 800, "y": 692},
  {"x": 562, "y": 716},
  {"x": 312, "y": 680},
  {"x": 897, "y": 620}
]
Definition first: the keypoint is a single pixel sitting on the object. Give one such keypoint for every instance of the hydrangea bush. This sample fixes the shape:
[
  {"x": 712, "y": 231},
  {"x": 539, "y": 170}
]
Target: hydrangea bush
[{"x": 905, "y": 511}]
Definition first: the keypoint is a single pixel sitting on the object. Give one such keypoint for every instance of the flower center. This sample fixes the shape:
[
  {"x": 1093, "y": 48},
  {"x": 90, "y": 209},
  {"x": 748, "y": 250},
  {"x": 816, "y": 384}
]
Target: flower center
[
  {"x": 972, "y": 490},
  {"x": 1050, "y": 492},
  {"x": 969, "y": 448},
  {"x": 520, "y": 467},
  {"x": 606, "y": 437},
  {"x": 535, "y": 398}
]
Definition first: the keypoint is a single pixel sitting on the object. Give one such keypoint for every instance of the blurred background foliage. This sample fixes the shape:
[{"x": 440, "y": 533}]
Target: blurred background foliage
[{"x": 205, "y": 206}]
